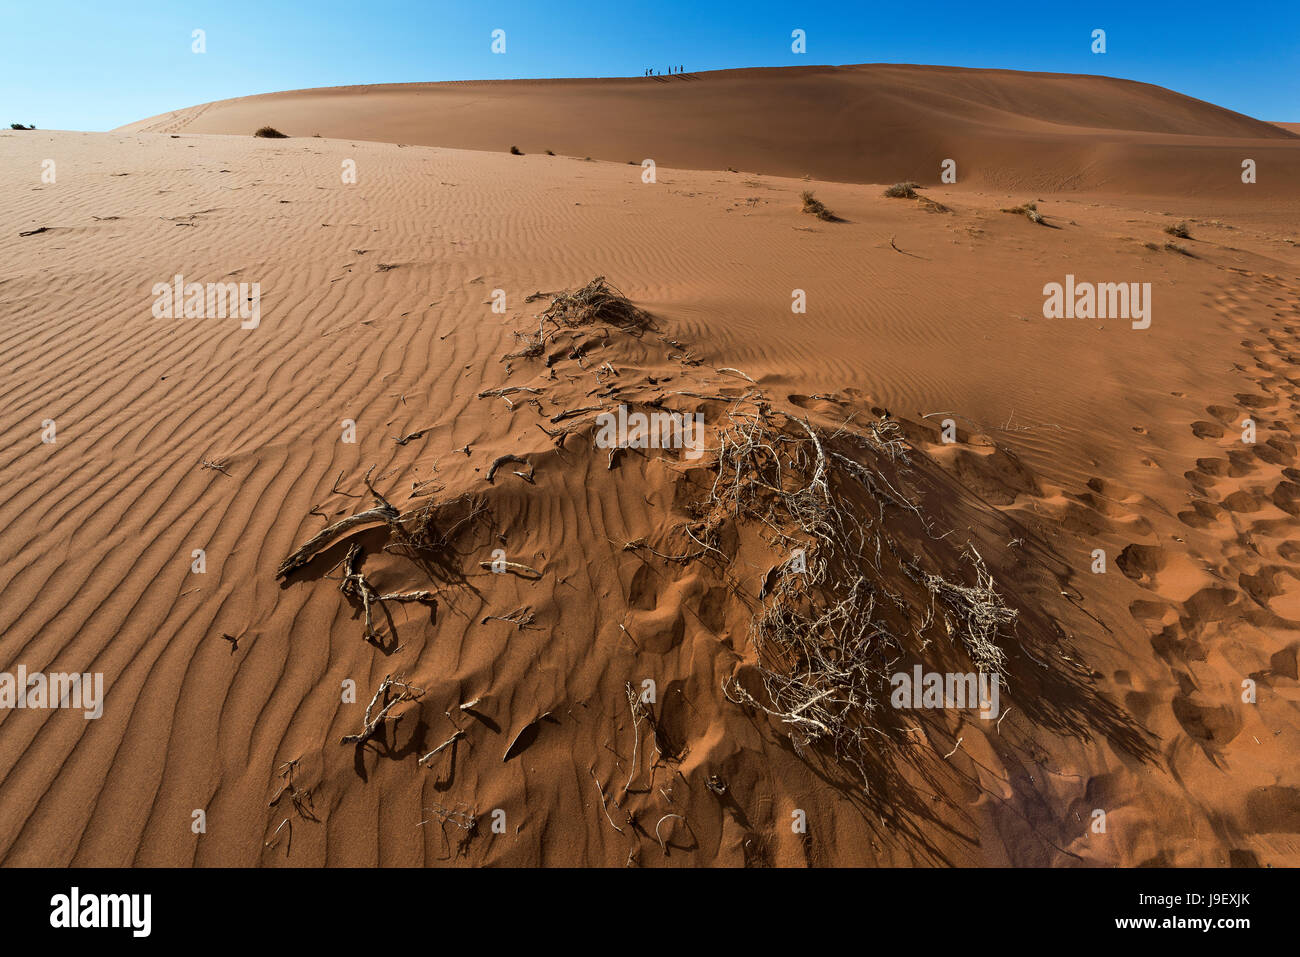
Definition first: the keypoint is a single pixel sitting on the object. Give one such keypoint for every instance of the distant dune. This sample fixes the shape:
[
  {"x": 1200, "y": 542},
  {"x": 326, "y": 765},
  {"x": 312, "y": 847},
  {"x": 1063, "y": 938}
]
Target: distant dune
[{"x": 868, "y": 123}]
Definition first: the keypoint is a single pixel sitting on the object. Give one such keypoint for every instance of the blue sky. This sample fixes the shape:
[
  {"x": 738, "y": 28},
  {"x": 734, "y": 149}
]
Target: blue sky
[{"x": 97, "y": 64}]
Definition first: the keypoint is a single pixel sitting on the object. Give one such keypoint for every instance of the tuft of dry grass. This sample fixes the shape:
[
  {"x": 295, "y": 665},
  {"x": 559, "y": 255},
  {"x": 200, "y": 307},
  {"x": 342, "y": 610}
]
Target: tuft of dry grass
[
  {"x": 1180, "y": 230},
  {"x": 902, "y": 191},
  {"x": 271, "y": 133},
  {"x": 1029, "y": 211},
  {"x": 815, "y": 207},
  {"x": 516, "y": 151}
]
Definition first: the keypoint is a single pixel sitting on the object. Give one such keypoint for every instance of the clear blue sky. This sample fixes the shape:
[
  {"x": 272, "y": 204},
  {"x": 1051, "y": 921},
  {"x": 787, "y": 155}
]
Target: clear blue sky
[{"x": 97, "y": 64}]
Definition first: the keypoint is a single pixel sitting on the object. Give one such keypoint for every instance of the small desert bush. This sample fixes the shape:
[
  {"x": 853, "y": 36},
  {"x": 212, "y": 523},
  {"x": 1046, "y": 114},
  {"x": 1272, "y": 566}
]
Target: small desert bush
[
  {"x": 815, "y": 207},
  {"x": 516, "y": 151},
  {"x": 1180, "y": 230},
  {"x": 550, "y": 152},
  {"x": 596, "y": 302},
  {"x": 271, "y": 133},
  {"x": 1029, "y": 211},
  {"x": 19, "y": 126},
  {"x": 902, "y": 191}
]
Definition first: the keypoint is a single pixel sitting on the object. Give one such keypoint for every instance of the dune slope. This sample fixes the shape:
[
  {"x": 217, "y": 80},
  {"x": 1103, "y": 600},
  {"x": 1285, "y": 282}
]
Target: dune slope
[
  {"x": 380, "y": 360},
  {"x": 860, "y": 124}
]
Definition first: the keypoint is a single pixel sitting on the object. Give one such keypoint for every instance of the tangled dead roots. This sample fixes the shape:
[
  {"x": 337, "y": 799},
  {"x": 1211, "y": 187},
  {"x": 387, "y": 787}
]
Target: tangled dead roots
[
  {"x": 597, "y": 302},
  {"x": 854, "y": 595}
]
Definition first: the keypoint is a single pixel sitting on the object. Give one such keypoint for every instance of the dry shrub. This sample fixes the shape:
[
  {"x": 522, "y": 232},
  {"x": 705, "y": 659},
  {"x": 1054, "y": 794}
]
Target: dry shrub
[
  {"x": 833, "y": 624},
  {"x": 597, "y": 302},
  {"x": 1029, "y": 211},
  {"x": 1180, "y": 230},
  {"x": 902, "y": 191},
  {"x": 815, "y": 207},
  {"x": 271, "y": 133}
]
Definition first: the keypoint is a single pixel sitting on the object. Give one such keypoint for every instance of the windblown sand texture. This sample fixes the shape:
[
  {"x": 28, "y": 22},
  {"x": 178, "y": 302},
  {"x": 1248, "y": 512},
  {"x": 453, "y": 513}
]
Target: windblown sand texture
[{"x": 1124, "y": 690}]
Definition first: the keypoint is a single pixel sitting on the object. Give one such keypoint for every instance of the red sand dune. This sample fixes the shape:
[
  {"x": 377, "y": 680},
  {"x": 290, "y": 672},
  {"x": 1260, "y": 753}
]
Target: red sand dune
[
  {"x": 857, "y": 124},
  {"x": 224, "y": 689}
]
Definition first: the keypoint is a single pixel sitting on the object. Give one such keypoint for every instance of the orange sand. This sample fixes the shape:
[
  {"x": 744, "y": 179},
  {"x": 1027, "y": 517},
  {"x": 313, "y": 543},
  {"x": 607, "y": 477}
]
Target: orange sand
[{"x": 1126, "y": 687}]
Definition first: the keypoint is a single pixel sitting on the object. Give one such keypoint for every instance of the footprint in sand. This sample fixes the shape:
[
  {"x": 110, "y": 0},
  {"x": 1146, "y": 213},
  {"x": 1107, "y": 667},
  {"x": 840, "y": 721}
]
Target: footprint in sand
[
  {"x": 1217, "y": 468},
  {"x": 1276, "y": 589},
  {"x": 643, "y": 593},
  {"x": 1153, "y": 613},
  {"x": 1286, "y": 496},
  {"x": 1289, "y": 550},
  {"x": 1209, "y": 605},
  {"x": 1245, "y": 501},
  {"x": 1241, "y": 463},
  {"x": 1205, "y": 722},
  {"x": 1276, "y": 451},
  {"x": 822, "y": 403},
  {"x": 1250, "y": 401},
  {"x": 1202, "y": 514},
  {"x": 1223, "y": 414},
  {"x": 1141, "y": 563},
  {"x": 1285, "y": 663},
  {"x": 1174, "y": 576}
]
